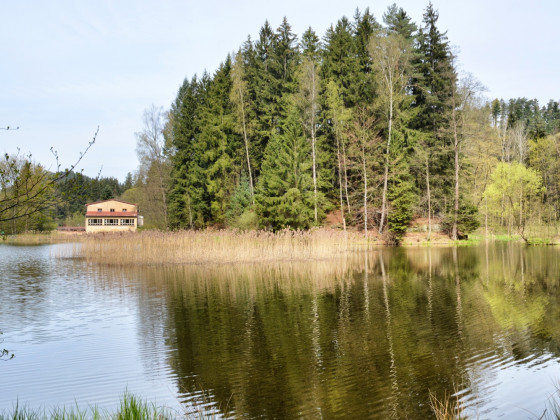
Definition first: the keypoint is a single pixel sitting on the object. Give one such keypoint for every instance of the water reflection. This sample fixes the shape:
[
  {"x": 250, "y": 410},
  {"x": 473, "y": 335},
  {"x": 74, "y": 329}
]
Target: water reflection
[{"x": 369, "y": 336}]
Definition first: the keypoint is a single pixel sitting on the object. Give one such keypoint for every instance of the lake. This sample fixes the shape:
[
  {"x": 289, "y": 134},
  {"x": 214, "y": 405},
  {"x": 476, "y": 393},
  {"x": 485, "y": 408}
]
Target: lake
[{"x": 370, "y": 335}]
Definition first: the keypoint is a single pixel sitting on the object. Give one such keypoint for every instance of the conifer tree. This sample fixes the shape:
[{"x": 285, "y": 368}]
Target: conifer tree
[
  {"x": 398, "y": 21},
  {"x": 220, "y": 145},
  {"x": 340, "y": 62},
  {"x": 186, "y": 205},
  {"x": 365, "y": 26},
  {"x": 285, "y": 189},
  {"x": 262, "y": 88},
  {"x": 432, "y": 89}
]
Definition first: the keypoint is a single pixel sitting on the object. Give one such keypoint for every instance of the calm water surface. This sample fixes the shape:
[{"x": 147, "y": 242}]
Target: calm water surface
[{"x": 369, "y": 336}]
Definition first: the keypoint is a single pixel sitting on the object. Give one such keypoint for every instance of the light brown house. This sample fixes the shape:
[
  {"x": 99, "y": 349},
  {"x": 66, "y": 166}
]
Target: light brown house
[{"x": 111, "y": 216}]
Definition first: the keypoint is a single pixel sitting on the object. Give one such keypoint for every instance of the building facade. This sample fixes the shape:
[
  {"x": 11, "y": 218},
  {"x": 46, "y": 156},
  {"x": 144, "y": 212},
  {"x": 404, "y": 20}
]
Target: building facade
[{"x": 111, "y": 216}]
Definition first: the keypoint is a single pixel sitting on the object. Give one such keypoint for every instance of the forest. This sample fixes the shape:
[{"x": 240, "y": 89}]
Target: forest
[{"x": 373, "y": 124}]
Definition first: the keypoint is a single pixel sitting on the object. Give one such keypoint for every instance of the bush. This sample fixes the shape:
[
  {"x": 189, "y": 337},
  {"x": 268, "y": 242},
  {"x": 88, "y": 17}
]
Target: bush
[{"x": 467, "y": 220}]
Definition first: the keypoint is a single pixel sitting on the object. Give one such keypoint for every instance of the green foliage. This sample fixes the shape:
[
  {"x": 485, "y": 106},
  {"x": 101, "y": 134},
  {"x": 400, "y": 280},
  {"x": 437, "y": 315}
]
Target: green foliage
[
  {"x": 513, "y": 194},
  {"x": 468, "y": 220},
  {"x": 131, "y": 408},
  {"x": 248, "y": 220},
  {"x": 402, "y": 199},
  {"x": 76, "y": 190},
  {"x": 239, "y": 205},
  {"x": 285, "y": 191},
  {"x": 281, "y": 102}
]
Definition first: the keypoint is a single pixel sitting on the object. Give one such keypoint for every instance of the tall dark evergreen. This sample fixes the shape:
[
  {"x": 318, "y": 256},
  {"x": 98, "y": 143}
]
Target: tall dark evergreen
[
  {"x": 365, "y": 26},
  {"x": 340, "y": 61},
  {"x": 311, "y": 125},
  {"x": 433, "y": 84},
  {"x": 221, "y": 147},
  {"x": 398, "y": 21},
  {"x": 285, "y": 189},
  {"x": 186, "y": 196}
]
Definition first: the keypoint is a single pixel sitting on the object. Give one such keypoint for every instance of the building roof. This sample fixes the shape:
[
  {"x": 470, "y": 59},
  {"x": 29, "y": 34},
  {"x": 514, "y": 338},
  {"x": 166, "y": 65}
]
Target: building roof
[
  {"x": 111, "y": 214},
  {"x": 112, "y": 199}
]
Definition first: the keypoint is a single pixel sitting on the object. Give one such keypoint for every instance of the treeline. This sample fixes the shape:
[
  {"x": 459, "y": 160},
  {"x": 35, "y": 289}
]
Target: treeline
[
  {"x": 43, "y": 207},
  {"x": 371, "y": 121}
]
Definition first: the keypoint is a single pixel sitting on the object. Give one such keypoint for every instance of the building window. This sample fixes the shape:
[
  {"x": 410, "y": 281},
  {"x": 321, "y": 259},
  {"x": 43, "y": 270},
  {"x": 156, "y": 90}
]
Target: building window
[
  {"x": 127, "y": 222},
  {"x": 99, "y": 209},
  {"x": 95, "y": 222},
  {"x": 124, "y": 210},
  {"x": 112, "y": 210},
  {"x": 111, "y": 222}
]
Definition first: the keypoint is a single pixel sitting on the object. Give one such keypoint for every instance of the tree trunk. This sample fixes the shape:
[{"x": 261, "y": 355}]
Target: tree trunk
[
  {"x": 313, "y": 141},
  {"x": 429, "y": 198},
  {"x": 247, "y": 146},
  {"x": 386, "y": 175},
  {"x": 190, "y": 211},
  {"x": 454, "y": 234},
  {"x": 365, "y": 192},
  {"x": 340, "y": 179},
  {"x": 163, "y": 192},
  {"x": 345, "y": 174}
]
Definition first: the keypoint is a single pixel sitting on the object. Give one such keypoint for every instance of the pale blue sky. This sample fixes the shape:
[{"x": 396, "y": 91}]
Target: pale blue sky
[{"x": 69, "y": 66}]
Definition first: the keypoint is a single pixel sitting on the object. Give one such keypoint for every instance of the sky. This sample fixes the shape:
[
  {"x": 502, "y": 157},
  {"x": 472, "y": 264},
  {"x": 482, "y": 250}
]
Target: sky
[{"x": 71, "y": 66}]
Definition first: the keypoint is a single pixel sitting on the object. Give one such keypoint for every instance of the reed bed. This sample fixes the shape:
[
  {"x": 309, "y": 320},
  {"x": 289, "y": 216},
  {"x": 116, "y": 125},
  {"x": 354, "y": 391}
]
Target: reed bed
[
  {"x": 206, "y": 247},
  {"x": 40, "y": 238}
]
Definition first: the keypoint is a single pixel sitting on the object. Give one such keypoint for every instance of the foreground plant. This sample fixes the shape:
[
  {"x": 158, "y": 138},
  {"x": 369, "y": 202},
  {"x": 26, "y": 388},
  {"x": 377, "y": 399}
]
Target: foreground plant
[
  {"x": 131, "y": 408},
  {"x": 447, "y": 408}
]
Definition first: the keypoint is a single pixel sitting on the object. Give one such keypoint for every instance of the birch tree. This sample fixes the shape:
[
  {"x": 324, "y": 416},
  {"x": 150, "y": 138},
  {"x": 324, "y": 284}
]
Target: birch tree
[
  {"x": 308, "y": 99},
  {"x": 240, "y": 100},
  {"x": 150, "y": 148},
  {"x": 391, "y": 61},
  {"x": 462, "y": 96},
  {"x": 362, "y": 143},
  {"x": 339, "y": 116}
]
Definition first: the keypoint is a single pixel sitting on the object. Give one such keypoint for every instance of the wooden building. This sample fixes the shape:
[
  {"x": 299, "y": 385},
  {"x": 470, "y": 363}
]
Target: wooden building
[{"x": 111, "y": 216}]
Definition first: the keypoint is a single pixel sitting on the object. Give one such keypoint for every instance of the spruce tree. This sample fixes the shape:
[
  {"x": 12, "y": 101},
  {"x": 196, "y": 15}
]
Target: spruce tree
[
  {"x": 285, "y": 189},
  {"x": 433, "y": 83},
  {"x": 220, "y": 145},
  {"x": 186, "y": 205},
  {"x": 340, "y": 61},
  {"x": 398, "y": 21}
]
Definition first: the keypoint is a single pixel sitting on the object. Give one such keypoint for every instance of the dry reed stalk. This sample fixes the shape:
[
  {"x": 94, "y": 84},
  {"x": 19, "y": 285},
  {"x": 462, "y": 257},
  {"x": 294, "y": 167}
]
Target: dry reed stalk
[
  {"x": 40, "y": 238},
  {"x": 446, "y": 409},
  {"x": 203, "y": 247}
]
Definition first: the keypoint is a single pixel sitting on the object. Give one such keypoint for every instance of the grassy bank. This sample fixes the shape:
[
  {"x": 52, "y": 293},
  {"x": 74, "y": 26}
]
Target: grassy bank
[
  {"x": 40, "y": 238},
  {"x": 203, "y": 247},
  {"x": 131, "y": 407}
]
